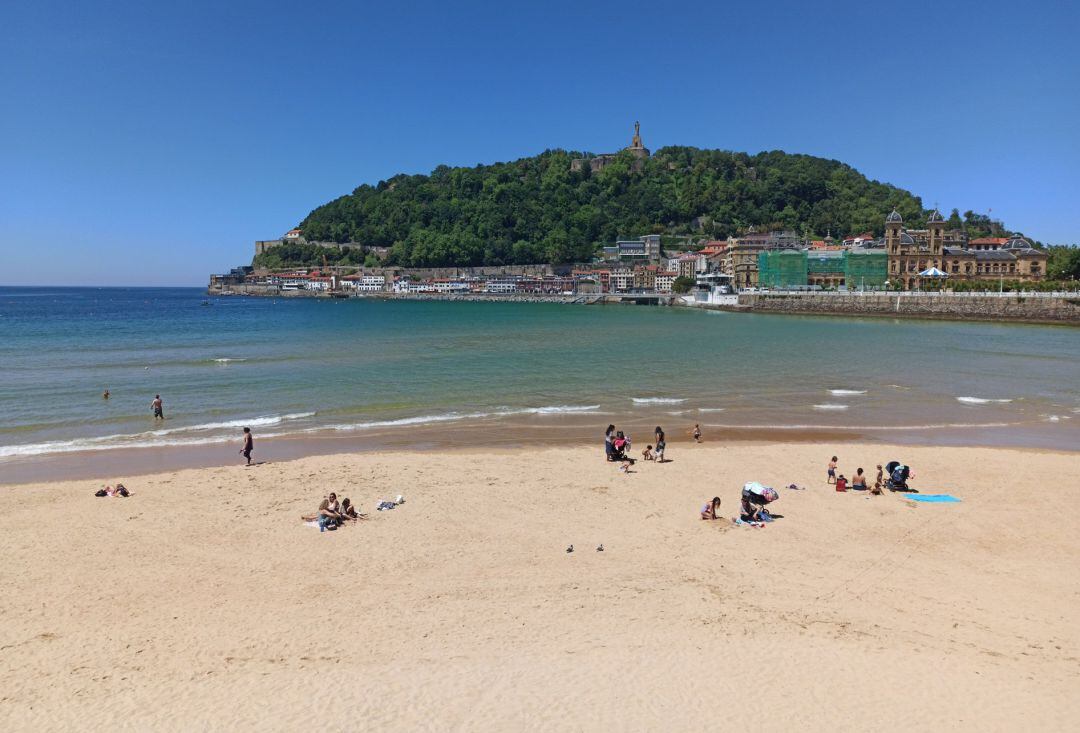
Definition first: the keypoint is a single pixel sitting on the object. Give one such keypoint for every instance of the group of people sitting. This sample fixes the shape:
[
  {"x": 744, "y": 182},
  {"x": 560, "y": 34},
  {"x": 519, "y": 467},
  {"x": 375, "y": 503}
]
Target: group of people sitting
[
  {"x": 333, "y": 514},
  {"x": 893, "y": 477}
]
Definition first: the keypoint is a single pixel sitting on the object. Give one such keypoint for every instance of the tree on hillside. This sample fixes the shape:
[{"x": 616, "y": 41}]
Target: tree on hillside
[{"x": 537, "y": 210}]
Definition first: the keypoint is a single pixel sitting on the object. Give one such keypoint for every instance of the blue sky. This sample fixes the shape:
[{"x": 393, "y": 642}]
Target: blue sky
[{"x": 151, "y": 143}]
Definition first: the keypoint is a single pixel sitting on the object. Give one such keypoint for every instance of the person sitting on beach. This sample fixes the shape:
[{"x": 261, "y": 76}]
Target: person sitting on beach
[
  {"x": 661, "y": 444},
  {"x": 859, "y": 482},
  {"x": 329, "y": 513},
  {"x": 621, "y": 444},
  {"x": 647, "y": 454},
  {"x": 709, "y": 511},
  {"x": 830, "y": 477},
  {"x": 348, "y": 511}
]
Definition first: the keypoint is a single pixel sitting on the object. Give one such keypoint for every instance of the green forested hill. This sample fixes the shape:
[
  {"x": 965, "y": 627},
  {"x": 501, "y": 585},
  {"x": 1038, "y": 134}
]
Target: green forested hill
[{"x": 537, "y": 210}]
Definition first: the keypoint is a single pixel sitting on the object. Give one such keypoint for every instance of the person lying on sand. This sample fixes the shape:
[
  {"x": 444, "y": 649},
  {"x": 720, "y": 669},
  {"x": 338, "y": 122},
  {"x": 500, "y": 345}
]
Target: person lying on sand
[
  {"x": 709, "y": 510},
  {"x": 119, "y": 490}
]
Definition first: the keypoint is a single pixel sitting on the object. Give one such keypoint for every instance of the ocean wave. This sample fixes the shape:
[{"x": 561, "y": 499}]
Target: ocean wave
[
  {"x": 254, "y": 422},
  {"x": 677, "y": 412},
  {"x": 1056, "y": 418},
  {"x": 846, "y": 392},
  {"x": 226, "y": 360},
  {"x": 195, "y": 434},
  {"x": 980, "y": 400},
  {"x": 148, "y": 439},
  {"x": 828, "y": 406},
  {"x": 711, "y": 409},
  {"x": 557, "y": 409},
  {"x": 932, "y": 426},
  {"x": 455, "y": 417},
  {"x": 657, "y": 400}
]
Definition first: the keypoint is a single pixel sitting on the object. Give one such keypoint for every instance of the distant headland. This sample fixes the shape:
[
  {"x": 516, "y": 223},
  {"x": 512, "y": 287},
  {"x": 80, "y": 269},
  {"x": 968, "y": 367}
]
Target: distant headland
[{"x": 572, "y": 223}]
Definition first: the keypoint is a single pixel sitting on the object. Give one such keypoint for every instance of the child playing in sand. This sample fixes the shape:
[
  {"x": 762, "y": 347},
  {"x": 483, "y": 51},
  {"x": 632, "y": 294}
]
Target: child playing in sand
[
  {"x": 710, "y": 510},
  {"x": 647, "y": 454},
  {"x": 831, "y": 478}
]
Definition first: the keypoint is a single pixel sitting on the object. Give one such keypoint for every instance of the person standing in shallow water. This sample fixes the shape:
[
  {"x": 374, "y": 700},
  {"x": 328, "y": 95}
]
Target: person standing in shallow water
[
  {"x": 156, "y": 406},
  {"x": 249, "y": 445}
]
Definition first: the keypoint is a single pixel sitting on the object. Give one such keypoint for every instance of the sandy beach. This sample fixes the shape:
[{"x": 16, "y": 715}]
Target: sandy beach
[{"x": 203, "y": 603}]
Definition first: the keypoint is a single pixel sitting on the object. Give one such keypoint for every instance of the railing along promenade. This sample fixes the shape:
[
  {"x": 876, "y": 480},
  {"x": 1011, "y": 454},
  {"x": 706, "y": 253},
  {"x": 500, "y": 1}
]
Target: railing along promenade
[{"x": 921, "y": 293}]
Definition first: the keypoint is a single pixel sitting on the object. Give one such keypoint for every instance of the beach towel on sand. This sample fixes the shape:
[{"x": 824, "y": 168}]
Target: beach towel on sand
[{"x": 933, "y": 498}]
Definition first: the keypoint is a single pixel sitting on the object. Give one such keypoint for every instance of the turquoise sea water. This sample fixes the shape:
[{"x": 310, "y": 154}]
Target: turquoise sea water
[{"x": 312, "y": 367}]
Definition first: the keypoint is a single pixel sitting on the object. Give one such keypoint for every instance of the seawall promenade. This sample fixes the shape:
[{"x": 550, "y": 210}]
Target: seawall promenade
[{"x": 1033, "y": 307}]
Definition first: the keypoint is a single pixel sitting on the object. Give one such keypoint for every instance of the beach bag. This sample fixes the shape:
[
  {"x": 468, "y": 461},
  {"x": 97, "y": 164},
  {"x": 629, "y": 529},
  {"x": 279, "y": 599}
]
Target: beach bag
[{"x": 101, "y": 492}]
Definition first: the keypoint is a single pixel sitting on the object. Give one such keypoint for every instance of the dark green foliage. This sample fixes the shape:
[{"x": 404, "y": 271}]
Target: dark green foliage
[
  {"x": 682, "y": 284},
  {"x": 1064, "y": 263},
  {"x": 295, "y": 254},
  {"x": 537, "y": 210}
]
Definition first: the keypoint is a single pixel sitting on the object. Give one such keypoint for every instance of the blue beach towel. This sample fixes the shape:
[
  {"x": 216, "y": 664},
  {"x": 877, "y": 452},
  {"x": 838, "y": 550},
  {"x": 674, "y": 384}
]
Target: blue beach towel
[{"x": 933, "y": 498}]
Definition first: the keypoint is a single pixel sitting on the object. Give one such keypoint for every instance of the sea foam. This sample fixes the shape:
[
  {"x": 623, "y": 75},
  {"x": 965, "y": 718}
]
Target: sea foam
[
  {"x": 180, "y": 436},
  {"x": 829, "y": 406},
  {"x": 846, "y": 392},
  {"x": 657, "y": 400},
  {"x": 980, "y": 400}
]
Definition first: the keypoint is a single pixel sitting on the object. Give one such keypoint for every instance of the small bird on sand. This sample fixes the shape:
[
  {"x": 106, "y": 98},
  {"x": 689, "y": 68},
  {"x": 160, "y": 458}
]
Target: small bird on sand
[
  {"x": 600, "y": 548},
  {"x": 570, "y": 549}
]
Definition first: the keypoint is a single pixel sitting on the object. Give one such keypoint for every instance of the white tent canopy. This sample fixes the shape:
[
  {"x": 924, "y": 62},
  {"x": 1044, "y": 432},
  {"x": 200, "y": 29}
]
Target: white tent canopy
[{"x": 933, "y": 272}]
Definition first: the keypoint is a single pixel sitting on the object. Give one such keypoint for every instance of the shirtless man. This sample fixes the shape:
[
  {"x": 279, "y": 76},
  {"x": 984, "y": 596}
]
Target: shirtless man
[
  {"x": 249, "y": 445},
  {"x": 155, "y": 405}
]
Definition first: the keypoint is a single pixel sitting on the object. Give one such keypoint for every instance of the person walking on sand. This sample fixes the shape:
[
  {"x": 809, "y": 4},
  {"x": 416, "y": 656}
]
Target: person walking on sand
[
  {"x": 830, "y": 477},
  {"x": 661, "y": 444},
  {"x": 697, "y": 433},
  {"x": 156, "y": 406},
  {"x": 249, "y": 445}
]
